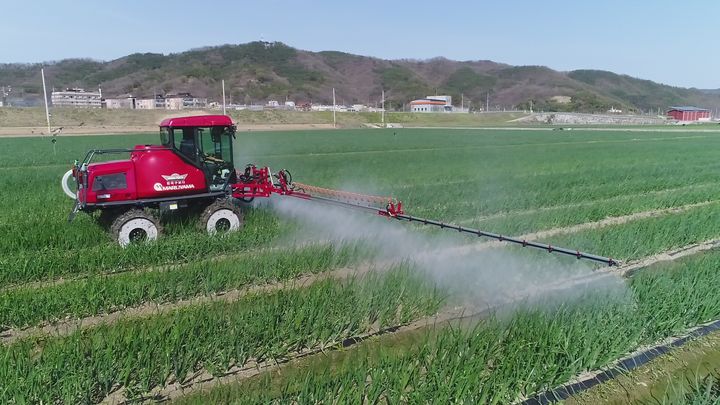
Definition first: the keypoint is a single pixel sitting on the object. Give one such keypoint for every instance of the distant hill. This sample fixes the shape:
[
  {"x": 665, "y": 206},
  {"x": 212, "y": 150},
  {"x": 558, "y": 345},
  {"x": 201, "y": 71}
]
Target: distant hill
[{"x": 260, "y": 71}]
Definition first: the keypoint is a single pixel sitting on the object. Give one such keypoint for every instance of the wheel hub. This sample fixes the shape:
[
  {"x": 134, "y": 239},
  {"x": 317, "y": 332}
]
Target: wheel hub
[
  {"x": 137, "y": 230},
  {"x": 223, "y": 221},
  {"x": 138, "y": 235},
  {"x": 222, "y": 225}
]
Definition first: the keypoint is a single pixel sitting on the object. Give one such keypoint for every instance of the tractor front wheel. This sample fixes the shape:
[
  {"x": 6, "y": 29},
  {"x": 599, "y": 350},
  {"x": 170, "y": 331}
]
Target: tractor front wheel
[
  {"x": 222, "y": 216},
  {"x": 135, "y": 226}
]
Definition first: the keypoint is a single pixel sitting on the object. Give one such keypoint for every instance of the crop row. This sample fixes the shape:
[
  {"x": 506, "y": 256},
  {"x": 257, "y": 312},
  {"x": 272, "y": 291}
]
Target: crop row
[
  {"x": 632, "y": 240},
  {"x": 98, "y": 294},
  {"x": 42, "y": 264},
  {"x": 139, "y": 354},
  {"x": 466, "y": 199},
  {"x": 645, "y": 237},
  {"x": 616, "y": 211},
  {"x": 533, "y": 221},
  {"x": 705, "y": 391},
  {"x": 500, "y": 361}
]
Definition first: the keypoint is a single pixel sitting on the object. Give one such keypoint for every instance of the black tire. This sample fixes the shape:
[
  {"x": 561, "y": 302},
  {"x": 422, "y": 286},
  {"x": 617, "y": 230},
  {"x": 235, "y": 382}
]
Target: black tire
[
  {"x": 135, "y": 225},
  {"x": 222, "y": 216}
]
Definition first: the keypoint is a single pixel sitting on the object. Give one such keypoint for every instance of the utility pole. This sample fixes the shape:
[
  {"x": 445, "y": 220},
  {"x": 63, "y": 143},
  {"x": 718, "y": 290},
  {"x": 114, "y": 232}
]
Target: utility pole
[
  {"x": 334, "y": 110},
  {"x": 383, "y": 107},
  {"x": 462, "y": 102},
  {"x": 487, "y": 102},
  {"x": 47, "y": 110},
  {"x": 223, "y": 91},
  {"x": 6, "y": 90}
]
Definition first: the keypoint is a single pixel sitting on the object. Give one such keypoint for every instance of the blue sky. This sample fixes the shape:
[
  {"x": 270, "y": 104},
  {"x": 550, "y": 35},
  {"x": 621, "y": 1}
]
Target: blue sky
[{"x": 667, "y": 41}]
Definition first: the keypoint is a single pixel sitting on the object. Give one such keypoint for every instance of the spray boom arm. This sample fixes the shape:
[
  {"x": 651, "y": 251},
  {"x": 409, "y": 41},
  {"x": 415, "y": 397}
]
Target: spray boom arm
[{"x": 261, "y": 182}]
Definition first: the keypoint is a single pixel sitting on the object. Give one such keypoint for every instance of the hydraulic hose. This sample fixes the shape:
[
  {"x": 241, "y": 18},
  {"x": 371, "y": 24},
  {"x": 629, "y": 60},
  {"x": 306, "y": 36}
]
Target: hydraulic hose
[{"x": 64, "y": 185}]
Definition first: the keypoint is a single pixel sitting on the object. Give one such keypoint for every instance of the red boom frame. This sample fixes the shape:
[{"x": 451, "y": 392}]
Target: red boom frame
[{"x": 261, "y": 182}]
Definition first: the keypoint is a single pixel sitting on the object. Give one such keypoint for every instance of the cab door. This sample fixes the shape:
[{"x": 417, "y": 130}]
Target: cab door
[{"x": 215, "y": 154}]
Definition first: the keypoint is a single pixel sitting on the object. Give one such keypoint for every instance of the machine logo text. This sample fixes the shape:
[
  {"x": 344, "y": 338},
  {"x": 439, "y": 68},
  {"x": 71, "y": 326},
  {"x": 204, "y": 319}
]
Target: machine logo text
[{"x": 173, "y": 182}]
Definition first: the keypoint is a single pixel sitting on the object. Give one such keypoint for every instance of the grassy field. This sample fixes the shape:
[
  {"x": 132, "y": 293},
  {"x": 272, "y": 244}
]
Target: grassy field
[{"x": 85, "y": 320}]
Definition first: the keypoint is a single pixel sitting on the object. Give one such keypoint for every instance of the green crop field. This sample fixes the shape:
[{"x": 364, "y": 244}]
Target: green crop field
[{"x": 258, "y": 316}]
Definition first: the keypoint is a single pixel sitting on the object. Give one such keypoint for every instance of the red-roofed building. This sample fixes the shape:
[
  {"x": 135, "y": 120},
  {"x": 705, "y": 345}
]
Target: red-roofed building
[
  {"x": 432, "y": 104},
  {"x": 688, "y": 113}
]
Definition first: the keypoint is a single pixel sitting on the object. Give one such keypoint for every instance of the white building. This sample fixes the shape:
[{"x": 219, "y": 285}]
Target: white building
[
  {"x": 432, "y": 104},
  {"x": 155, "y": 103},
  {"x": 327, "y": 107},
  {"x": 122, "y": 102},
  {"x": 182, "y": 101},
  {"x": 76, "y": 98},
  {"x": 178, "y": 101}
]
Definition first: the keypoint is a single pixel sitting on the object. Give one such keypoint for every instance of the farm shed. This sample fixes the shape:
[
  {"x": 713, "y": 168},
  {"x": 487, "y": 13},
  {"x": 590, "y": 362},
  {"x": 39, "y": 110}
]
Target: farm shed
[{"x": 688, "y": 113}]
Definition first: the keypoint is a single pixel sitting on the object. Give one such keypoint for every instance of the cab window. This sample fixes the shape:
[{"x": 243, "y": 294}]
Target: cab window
[
  {"x": 116, "y": 181},
  {"x": 215, "y": 143},
  {"x": 184, "y": 142},
  {"x": 165, "y": 136}
]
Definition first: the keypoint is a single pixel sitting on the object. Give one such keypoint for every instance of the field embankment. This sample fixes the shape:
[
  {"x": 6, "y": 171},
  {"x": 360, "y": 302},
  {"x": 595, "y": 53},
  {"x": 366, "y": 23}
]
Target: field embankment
[
  {"x": 79, "y": 121},
  {"x": 565, "y": 118}
]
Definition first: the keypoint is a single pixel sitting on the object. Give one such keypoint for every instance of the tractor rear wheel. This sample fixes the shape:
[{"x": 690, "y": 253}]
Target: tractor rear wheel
[
  {"x": 222, "y": 216},
  {"x": 135, "y": 226}
]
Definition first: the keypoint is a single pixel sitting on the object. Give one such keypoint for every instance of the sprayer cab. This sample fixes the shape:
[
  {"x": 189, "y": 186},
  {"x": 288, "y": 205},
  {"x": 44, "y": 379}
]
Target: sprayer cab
[{"x": 204, "y": 142}]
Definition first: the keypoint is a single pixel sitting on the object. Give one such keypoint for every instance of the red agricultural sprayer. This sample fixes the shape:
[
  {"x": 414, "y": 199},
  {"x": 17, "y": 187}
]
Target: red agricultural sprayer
[{"x": 193, "y": 168}]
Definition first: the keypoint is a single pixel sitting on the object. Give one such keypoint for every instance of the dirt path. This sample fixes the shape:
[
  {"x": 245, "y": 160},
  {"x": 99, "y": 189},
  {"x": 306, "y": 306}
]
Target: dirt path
[{"x": 628, "y": 269}]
